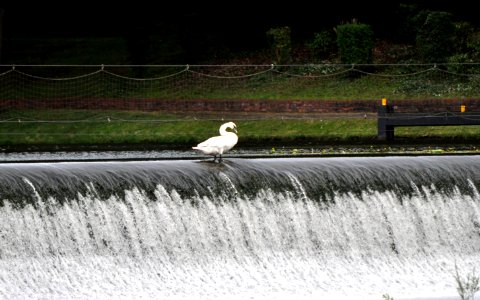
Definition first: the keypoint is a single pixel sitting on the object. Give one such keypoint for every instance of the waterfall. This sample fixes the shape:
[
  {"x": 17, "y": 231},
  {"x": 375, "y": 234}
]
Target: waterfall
[{"x": 312, "y": 228}]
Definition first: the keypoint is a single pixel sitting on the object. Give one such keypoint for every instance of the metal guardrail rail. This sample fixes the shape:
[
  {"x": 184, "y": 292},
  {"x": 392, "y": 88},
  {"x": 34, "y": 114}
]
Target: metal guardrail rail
[{"x": 388, "y": 119}]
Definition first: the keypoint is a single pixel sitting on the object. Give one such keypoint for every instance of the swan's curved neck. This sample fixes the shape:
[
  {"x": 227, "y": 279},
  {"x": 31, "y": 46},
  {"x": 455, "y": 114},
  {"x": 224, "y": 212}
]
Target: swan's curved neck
[{"x": 223, "y": 130}]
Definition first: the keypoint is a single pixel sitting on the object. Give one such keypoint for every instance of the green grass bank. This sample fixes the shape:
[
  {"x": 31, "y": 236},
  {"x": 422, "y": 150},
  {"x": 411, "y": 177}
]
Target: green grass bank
[{"x": 29, "y": 130}]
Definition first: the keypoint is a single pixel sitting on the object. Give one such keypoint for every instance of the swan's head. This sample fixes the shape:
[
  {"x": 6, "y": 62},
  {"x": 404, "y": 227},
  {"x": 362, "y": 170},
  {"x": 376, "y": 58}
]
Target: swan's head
[{"x": 230, "y": 125}]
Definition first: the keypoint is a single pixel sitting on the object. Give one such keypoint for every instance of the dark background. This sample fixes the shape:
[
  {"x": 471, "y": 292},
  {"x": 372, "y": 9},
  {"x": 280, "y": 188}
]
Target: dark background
[{"x": 198, "y": 26}]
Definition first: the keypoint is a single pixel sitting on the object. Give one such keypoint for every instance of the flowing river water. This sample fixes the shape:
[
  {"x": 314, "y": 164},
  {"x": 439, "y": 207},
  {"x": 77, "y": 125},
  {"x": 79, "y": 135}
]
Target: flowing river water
[{"x": 247, "y": 228}]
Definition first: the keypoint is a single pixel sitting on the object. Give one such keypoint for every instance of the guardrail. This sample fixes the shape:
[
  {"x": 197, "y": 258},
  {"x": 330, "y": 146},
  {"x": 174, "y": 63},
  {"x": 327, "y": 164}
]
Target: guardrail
[{"x": 388, "y": 119}]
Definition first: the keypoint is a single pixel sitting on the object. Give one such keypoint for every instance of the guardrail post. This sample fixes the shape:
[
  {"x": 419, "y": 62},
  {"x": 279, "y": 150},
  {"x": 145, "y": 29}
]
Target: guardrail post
[{"x": 385, "y": 132}]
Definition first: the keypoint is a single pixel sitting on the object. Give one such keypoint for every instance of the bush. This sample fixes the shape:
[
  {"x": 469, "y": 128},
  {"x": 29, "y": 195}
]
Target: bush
[
  {"x": 355, "y": 43},
  {"x": 281, "y": 43},
  {"x": 436, "y": 37},
  {"x": 468, "y": 286},
  {"x": 322, "y": 45}
]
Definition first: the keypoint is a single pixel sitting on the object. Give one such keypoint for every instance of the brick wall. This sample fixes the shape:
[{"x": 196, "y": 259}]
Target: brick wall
[{"x": 268, "y": 106}]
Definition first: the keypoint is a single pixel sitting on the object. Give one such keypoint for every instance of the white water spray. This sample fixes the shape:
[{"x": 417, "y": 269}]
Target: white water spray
[{"x": 270, "y": 244}]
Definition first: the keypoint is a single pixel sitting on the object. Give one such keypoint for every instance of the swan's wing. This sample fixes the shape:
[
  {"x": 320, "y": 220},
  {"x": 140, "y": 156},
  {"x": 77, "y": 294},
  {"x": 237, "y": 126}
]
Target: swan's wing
[
  {"x": 212, "y": 146},
  {"x": 215, "y": 141},
  {"x": 207, "y": 150}
]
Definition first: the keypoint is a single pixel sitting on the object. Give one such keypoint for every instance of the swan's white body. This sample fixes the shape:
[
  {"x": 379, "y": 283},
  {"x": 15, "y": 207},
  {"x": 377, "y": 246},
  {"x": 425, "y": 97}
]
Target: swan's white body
[{"x": 218, "y": 145}]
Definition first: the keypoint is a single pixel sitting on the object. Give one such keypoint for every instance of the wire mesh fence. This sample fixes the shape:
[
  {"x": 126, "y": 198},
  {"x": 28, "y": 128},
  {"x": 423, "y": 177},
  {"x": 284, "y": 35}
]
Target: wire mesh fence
[
  {"x": 75, "y": 83},
  {"x": 58, "y": 95}
]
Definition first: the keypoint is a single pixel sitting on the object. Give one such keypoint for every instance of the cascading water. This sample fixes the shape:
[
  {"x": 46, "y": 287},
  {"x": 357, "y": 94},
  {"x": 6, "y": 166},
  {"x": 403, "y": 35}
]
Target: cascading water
[{"x": 309, "y": 228}]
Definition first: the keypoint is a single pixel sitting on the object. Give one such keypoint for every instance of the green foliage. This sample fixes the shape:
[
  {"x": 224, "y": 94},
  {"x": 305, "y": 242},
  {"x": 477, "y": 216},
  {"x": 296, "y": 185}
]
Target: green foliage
[
  {"x": 355, "y": 43},
  {"x": 387, "y": 297},
  {"x": 435, "y": 38},
  {"x": 323, "y": 44},
  {"x": 464, "y": 33},
  {"x": 468, "y": 286},
  {"x": 281, "y": 43},
  {"x": 473, "y": 43},
  {"x": 438, "y": 87},
  {"x": 408, "y": 20},
  {"x": 460, "y": 64}
]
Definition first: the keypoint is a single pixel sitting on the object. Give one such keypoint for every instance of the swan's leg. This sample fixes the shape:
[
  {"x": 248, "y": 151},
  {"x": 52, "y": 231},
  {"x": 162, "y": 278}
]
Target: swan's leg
[
  {"x": 220, "y": 158},
  {"x": 214, "y": 158}
]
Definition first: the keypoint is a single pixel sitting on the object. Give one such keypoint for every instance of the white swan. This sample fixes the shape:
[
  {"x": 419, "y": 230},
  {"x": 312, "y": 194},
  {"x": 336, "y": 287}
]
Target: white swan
[{"x": 218, "y": 145}]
